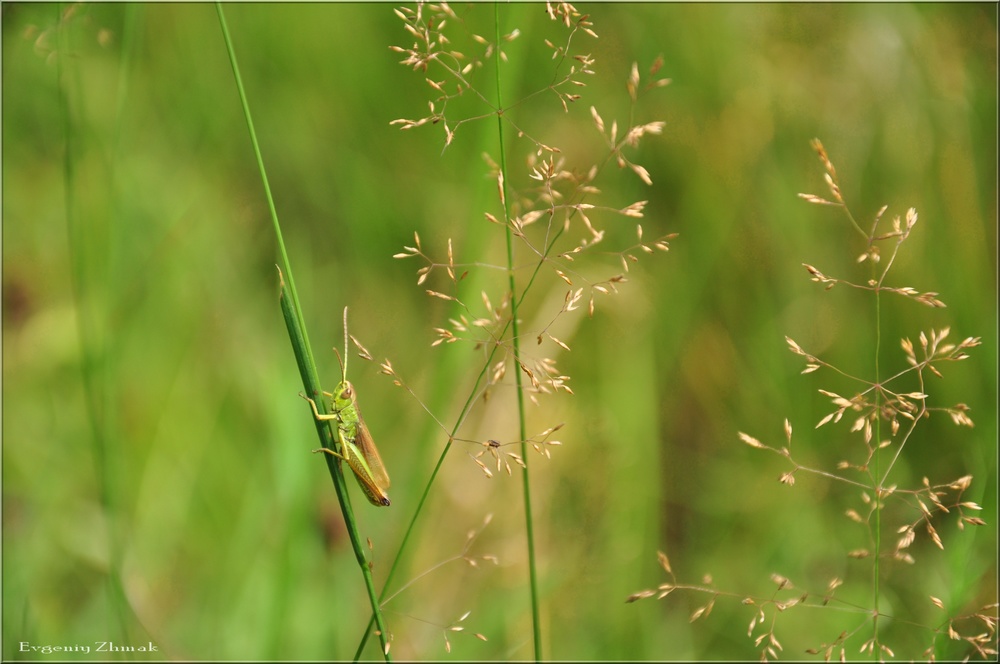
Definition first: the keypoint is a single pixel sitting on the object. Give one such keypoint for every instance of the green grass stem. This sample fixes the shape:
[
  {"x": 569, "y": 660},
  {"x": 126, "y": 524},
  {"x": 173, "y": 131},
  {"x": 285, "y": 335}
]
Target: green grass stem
[
  {"x": 511, "y": 324},
  {"x": 516, "y": 340},
  {"x": 297, "y": 334}
]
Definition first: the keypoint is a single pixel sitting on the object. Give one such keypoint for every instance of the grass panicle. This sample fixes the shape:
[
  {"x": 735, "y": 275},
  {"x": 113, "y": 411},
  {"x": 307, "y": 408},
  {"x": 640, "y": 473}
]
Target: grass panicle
[
  {"x": 882, "y": 417},
  {"x": 536, "y": 210}
]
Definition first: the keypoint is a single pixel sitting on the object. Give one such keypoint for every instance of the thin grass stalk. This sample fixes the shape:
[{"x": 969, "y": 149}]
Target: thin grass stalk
[
  {"x": 511, "y": 324},
  {"x": 516, "y": 340},
  {"x": 304, "y": 358},
  {"x": 878, "y": 464},
  {"x": 427, "y": 489},
  {"x": 473, "y": 393},
  {"x": 878, "y": 480},
  {"x": 93, "y": 365}
]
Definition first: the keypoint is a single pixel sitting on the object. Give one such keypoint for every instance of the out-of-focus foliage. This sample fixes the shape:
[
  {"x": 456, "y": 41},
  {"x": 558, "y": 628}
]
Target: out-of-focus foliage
[{"x": 157, "y": 481}]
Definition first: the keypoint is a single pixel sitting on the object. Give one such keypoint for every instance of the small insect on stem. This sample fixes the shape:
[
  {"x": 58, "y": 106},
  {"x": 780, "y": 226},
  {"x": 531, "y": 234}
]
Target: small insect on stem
[{"x": 351, "y": 433}]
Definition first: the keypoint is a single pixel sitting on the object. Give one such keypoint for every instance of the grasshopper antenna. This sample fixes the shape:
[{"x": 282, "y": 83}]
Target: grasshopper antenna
[
  {"x": 343, "y": 361},
  {"x": 344, "y": 368}
]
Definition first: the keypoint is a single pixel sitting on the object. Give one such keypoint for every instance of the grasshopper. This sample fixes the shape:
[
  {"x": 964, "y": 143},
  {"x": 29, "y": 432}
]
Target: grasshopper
[{"x": 356, "y": 445}]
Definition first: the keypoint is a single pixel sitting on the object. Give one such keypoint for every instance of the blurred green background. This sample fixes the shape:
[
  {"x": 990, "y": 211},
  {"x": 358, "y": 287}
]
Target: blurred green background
[{"x": 157, "y": 481}]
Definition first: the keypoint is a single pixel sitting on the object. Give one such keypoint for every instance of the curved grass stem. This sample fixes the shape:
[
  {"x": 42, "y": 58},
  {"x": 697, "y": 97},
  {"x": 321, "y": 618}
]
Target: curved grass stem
[{"x": 294, "y": 322}]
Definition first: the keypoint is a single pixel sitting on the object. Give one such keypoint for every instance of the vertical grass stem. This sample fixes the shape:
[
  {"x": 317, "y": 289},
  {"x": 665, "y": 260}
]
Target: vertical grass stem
[{"x": 292, "y": 313}]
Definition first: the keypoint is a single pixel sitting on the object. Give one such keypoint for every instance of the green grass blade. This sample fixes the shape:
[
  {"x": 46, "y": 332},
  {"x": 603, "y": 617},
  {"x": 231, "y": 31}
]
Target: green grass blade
[{"x": 292, "y": 314}]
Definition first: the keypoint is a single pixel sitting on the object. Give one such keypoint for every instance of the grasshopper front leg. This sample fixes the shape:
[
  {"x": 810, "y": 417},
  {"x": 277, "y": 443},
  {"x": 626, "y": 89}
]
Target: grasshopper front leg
[
  {"x": 320, "y": 416},
  {"x": 326, "y": 418}
]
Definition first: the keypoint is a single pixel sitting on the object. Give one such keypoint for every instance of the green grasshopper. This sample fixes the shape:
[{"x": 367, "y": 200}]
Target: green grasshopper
[{"x": 351, "y": 432}]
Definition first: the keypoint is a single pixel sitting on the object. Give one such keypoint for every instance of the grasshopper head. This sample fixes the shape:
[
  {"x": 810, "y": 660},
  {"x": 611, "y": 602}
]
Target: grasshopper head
[{"x": 343, "y": 396}]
